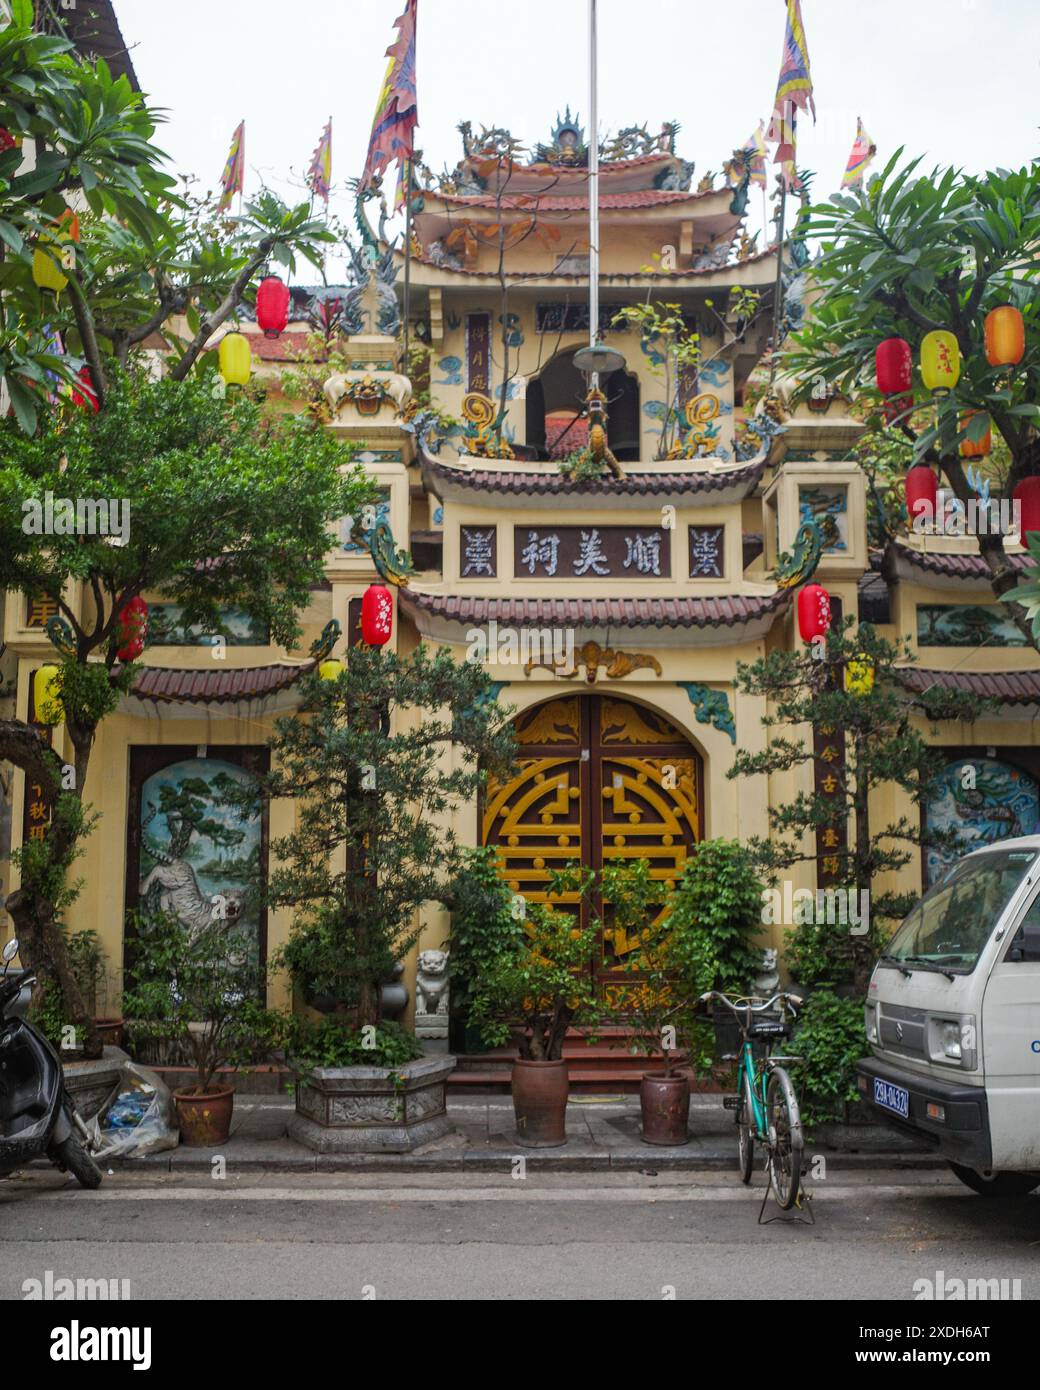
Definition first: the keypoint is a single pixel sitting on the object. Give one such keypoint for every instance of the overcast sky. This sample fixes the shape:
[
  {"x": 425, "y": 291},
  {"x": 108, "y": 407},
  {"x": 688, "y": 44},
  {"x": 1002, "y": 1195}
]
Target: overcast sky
[{"x": 955, "y": 80}]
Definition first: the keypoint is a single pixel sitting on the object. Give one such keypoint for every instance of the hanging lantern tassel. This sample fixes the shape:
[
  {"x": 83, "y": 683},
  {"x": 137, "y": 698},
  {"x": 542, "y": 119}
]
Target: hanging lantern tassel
[
  {"x": 377, "y": 615},
  {"x": 47, "y": 705},
  {"x": 814, "y": 612}
]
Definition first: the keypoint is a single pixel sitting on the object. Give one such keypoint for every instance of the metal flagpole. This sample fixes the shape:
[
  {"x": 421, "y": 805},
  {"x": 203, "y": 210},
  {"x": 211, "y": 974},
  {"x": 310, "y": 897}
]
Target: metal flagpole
[
  {"x": 407, "y": 254},
  {"x": 778, "y": 291},
  {"x": 593, "y": 185}
]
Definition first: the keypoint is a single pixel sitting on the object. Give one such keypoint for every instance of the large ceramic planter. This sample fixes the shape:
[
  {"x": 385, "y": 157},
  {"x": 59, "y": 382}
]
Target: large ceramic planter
[
  {"x": 205, "y": 1120},
  {"x": 665, "y": 1103},
  {"x": 373, "y": 1109},
  {"x": 540, "y": 1091},
  {"x": 110, "y": 1030}
]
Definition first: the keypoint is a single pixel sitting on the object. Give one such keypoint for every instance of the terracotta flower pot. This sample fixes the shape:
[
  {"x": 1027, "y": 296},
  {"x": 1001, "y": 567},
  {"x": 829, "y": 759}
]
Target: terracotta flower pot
[
  {"x": 540, "y": 1101},
  {"x": 205, "y": 1120},
  {"x": 111, "y": 1030},
  {"x": 665, "y": 1102}
]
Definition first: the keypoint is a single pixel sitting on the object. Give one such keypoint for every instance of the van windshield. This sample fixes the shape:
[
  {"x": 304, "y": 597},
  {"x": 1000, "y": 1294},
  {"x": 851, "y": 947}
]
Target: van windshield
[{"x": 949, "y": 927}]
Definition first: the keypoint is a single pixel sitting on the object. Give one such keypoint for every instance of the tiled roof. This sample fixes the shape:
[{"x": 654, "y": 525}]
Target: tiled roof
[
  {"x": 632, "y": 485},
  {"x": 570, "y": 202},
  {"x": 1009, "y": 687},
  {"x": 167, "y": 683},
  {"x": 724, "y": 611},
  {"x": 957, "y": 566}
]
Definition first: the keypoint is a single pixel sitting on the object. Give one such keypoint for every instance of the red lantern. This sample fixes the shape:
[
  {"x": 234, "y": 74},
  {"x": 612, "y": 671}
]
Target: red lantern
[
  {"x": 7, "y": 140},
  {"x": 894, "y": 364},
  {"x": 132, "y": 629},
  {"x": 85, "y": 396},
  {"x": 272, "y": 306},
  {"x": 922, "y": 491},
  {"x": 1005, "y": 333},
  {"x": 1027, "y": 495},
  {"x": 377, "y": 615},
  {"x": 814, "y": 612}
]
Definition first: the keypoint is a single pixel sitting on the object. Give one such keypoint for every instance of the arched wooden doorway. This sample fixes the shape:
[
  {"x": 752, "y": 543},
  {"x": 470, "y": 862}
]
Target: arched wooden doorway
[{"x": 598, "y": 778}]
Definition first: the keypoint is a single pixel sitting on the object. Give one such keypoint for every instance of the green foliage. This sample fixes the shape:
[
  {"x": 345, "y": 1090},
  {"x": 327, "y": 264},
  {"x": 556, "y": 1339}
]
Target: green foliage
[
  {"x": 830, "y": 1038},
  {"x": 370, "y": 844},
  {"x": 197, "y": 990},
  {"x": 673, "y": 965},
  {"x": 580, "y": 466},
  {"x": 331, "y": 1043},
  {"x": 484, "y": 925},
  {"x": 882, "y": 746},
  {"x": 548, "y": 985},
  {"x": 715, "y": 912},
  {"x": 227, "y": 509},
  {"x": 828, "y": 953}
]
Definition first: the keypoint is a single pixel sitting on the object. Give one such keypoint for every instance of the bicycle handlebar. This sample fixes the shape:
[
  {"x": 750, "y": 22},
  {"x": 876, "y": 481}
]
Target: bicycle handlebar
[{"x": 745, "y": 1006}]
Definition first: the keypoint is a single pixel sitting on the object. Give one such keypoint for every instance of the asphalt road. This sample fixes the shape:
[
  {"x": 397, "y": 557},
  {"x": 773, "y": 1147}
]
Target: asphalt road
[{"x": 492, "y": 1237}]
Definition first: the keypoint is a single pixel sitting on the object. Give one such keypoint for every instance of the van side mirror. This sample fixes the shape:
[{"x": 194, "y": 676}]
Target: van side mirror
[
  {"x": 1025, "y": 945},
  {"x": 10, "y": 950}
]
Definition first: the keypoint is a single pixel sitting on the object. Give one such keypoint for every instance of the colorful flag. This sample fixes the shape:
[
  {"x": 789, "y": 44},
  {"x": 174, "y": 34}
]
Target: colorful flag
[
  {"x": 863, "y": 151},
  {"x": 232, "y": 179},
  {"x": 319, "y": 174},
  {"x": 755, "y": 145},
  {"x": 404, "y": 169},
  {"x": 794, "y": 92},
  {"x": 396, "y": 111}
]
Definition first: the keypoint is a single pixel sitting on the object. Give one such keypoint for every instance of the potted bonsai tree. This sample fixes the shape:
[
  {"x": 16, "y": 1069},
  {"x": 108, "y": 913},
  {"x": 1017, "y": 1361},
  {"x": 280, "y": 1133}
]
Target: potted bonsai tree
[
  {"x": 369, "y": 850},
  {"x": 198, "y": 990},
  {"x": 545, "y": 987}
]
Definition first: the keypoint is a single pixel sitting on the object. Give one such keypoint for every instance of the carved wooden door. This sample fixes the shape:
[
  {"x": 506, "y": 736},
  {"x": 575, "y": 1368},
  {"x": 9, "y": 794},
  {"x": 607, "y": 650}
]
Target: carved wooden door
[{"x": 598, "y": 779}]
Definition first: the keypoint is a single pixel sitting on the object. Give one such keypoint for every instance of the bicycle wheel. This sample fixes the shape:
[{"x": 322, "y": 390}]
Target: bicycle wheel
[
  {"x": 746, "y": 1132},
  {"x": 785, "y": 1138}
]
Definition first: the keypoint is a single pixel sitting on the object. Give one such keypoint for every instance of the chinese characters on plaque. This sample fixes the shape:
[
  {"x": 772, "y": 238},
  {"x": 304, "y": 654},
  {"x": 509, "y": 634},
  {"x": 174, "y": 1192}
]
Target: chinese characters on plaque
[
  {"x": 478, "y": 353},
  {"x": 38, "y": 807},
  {"x": 478, "y": 551},
  {"x": 706, "y": 553},
  {"x": 832, "y": 836},
  {"x": 592, "y": 552}
]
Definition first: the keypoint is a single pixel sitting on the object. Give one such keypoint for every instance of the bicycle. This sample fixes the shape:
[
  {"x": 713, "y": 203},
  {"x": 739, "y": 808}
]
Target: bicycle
[{"x": 766, "y": 1106}]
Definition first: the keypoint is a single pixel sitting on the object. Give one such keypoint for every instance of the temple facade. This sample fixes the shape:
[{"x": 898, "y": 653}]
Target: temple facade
[{"x": 609, "y": 559}]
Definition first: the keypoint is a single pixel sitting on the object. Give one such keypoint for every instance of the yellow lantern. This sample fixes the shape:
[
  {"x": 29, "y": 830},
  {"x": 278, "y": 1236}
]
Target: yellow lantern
[
  {"x": 234, "y": 356},
  {"x": 859, "y": 675},
  {"x": 47, "y": 704},
  {"x": 940, "y": 360},
  {"x": 46, "y": 268},
  {"x": 331, "y": 670}
]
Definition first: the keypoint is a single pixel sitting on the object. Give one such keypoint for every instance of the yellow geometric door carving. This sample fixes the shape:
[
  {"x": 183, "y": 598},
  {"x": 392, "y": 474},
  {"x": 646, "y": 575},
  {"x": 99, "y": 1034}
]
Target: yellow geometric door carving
[{"x": 597, "y": 779}]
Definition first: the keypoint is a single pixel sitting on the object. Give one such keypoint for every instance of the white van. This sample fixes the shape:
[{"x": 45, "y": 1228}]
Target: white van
[{"x": 953, "y": 1020}]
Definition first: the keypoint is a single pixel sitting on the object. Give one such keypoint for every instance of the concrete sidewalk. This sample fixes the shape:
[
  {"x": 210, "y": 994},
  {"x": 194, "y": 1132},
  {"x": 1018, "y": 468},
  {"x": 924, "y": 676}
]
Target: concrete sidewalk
[{"x": 603, "y": 1136}]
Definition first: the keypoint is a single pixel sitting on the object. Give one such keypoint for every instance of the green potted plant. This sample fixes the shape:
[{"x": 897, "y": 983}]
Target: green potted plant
[
  {"x": 485, "y": 924},
  {"x": 545, "y": 987},
  {"x": 198, "y": 990},
  {"x": 87, "y": 958},
  {"x": 717, "y": 908},
  {"x": 670, "y": 965}
]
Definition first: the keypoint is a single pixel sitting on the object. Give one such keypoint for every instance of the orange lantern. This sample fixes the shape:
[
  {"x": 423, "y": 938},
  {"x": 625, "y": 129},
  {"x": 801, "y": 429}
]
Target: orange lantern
[
  {"x": 1005, "y": 333},
  {"x": 975, "y": 448}
]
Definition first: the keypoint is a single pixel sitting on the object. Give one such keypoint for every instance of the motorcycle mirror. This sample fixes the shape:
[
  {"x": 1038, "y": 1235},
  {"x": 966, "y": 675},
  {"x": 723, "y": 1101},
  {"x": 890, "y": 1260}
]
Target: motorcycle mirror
[{"x": 11, "y": 949}]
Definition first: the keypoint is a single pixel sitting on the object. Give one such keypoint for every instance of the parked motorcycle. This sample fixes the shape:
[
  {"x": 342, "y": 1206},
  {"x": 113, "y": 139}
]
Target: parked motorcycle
[{"x": 37, "y": 1116}]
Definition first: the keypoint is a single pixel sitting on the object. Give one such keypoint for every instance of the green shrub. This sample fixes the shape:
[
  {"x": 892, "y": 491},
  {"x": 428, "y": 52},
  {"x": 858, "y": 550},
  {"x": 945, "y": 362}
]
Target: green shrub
[
  {"x": 830, "y": 1038},
  {"x": 719, "y": 897},
  {"x": 827, "y": 953},
  {"x": 331, "y": 1043},
  {"x": 483, "y": 923}
]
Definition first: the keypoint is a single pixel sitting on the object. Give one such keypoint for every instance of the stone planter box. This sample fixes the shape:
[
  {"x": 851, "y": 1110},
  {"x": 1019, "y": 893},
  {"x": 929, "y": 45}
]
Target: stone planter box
[
  {"x": 362, "y": 1110},
  {"x": 91, "y": 1083}
]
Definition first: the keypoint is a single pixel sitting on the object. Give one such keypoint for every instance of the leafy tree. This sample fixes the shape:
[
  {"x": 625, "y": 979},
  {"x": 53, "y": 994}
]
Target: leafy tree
[
  {"x": 226, "y": 509},
  {"x": 882, "y": 748},
  {"x": 370, "y": 845},
  {"x": 484, "y": 922},
  {"x": 914, "y": 252}
]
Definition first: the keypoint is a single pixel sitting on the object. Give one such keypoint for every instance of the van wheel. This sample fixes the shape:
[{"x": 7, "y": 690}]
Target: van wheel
[{"x": 997, "y": 1184}]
